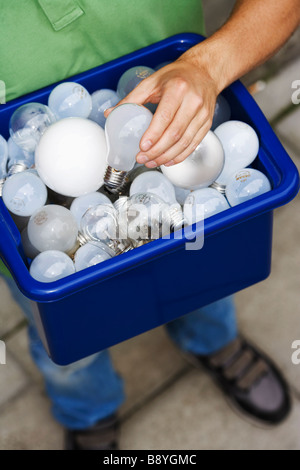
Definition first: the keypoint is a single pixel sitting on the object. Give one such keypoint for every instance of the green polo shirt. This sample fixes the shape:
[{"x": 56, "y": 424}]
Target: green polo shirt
[{"x": 44, "y": 41}]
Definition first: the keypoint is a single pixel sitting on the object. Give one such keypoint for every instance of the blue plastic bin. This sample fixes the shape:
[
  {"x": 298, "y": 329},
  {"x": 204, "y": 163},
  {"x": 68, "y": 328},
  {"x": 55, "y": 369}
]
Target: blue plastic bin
[{"x": 156, "y": 283}]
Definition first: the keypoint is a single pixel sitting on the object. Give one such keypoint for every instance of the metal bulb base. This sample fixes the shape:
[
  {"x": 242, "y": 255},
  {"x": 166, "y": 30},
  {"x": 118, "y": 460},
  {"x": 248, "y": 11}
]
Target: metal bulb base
[
  {"x": 114, "y": 179},
  {"x": 219, "y": 187},
  {"x": 17, "y": 168}
]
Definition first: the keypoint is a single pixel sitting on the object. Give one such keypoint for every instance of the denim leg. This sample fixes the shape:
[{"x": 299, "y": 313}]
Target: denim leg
[
  {"x": 207, "y": 329},
  {"x": 81, "y": 393}
]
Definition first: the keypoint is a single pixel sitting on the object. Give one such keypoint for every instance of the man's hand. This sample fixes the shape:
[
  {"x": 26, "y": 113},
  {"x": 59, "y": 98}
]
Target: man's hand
[
  {"x": 186, "y": 90},
  {"x": 187, "y": 96}
]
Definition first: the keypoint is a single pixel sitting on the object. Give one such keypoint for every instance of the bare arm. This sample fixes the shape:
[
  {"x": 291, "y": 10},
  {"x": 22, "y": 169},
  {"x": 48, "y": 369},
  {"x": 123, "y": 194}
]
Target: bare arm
[{"x": 186, "y": 90}]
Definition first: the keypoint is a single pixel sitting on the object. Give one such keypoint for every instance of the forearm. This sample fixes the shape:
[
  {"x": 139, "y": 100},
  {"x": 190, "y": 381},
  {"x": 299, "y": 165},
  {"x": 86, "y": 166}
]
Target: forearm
[{"x": 255, "y": 31}]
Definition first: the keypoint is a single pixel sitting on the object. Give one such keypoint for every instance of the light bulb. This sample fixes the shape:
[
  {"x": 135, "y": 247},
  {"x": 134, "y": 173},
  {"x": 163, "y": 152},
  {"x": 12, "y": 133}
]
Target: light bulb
[
  {"x": 29, "y": 250},
  {"x": 69, "y": 99},
  {"x": 53, "y": 227},
  {"x": 70, "y": 157},
  {"x": 90, "y": 254},
  {"x": 181, "y": 194},
  {"x": 102, "y": 100},
  {"x": 143, "y": 216},
  {"x": 203, "y": 203},
  {"x": 3, "y": 161},
  {"x": 246, "y": 184},
  {"x": 51, "y": 265},
  {"x": 100, "y": 223},
  {"x": 155, "y": 182},
  {"x": 161, "y": 65},
  {"x": 82, "y": 203},
  {"x": 241, "y": 144},
  {"x": 18, "y": 159},
  {"x": 24, "y": 193},
  {"x": 28, "y": 123},
  {"x": 222, "y": 112},
  {"x": 131, "y": 78},
  {"x": 124, "y": 129},
  {"x": 201, "y": 167}
]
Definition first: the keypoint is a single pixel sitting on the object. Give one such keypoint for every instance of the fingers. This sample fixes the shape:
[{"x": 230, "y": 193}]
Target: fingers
[{"x": 182, "y": 150}]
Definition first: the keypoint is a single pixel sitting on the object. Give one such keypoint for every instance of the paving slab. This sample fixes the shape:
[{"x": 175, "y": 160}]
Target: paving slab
[
  {"x": 193, "y": 415},
  {"x": 13, "y": 379},
  {"x": 146, "y": 363},
  {"x": 288, "y": 127},
  {"x": 27, "y": 424}
]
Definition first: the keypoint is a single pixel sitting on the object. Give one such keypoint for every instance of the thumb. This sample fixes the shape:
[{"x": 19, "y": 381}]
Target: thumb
[{"x": 141, "y": 94}]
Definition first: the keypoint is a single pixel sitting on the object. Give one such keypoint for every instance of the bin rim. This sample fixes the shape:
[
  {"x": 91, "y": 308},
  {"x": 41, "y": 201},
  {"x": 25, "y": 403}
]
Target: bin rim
[{"x": 284, "y": 192}]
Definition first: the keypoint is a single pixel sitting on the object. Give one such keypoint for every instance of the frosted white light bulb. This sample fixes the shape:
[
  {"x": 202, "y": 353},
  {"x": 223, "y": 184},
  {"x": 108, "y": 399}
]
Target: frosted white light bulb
[
  {"x": 3, "y": 161},
  {"x": 29, "y": 250},
  {"x": 24, "y": 193},
  {"x": 245, "y": 185},
  {"x": 53, "y": 228},
  {"x": 70, "y": 99},
  {"x": 18, "y": 159},
  {"x": 181, "y": 194},
  {"x": 144, "y": 216},
  {"x": 100, "y": 223},
  {"x": 51, "y": 265},
  {"x": 70, "y": 157},
  {"x": 203, "y": 203},
  {"x": 222, "y": 112},
  {"x": 3, "y": 156},
  {"x": 82, "y": 203},
  {"x": 155, "y": 182},
  {"x": 124, "y": 129},
  {"x": 241, "y": 144},
  {"x": 28, "y": 123},
  {"x": 131, "y": 78},
  {"x": 102, "y": 100},
  {"x": 201, "y": 167},
  {"x": 90, "y": 254}
]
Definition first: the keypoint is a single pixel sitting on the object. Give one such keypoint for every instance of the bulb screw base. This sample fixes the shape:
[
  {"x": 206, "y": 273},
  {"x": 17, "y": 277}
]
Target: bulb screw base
[
  {"x": 17, "y": 168},
  {"x": 81, "y": 239},
  {"x": 219, "y": 187},
  {"x": 114, "y": 179},
  {"x": 177, "y": 218},
  {"x": 120, "y": 203}
]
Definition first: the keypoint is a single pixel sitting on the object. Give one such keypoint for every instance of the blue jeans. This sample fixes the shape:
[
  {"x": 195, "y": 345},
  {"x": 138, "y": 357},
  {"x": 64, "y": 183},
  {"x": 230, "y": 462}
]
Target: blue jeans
[{"x": 90, "y": 389}]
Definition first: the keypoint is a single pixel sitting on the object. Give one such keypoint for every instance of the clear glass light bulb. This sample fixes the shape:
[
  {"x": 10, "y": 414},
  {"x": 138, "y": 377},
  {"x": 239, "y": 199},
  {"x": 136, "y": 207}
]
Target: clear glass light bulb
[
  {"x": 131, "y": 78},
  {"x": 102, "y": 100},
  {"x": 71, "y": 157},
  {"x": 82, "y": 203},
  {"x": 24, "y": 193},
  {"x": 28, "y": 123},
  {"x": 144, "y": 216},
  {"x": 222, "y": 112},
  {"x": 246, "y": 184},
  {"x": 201, "y": 167},
  {"x": 90, "y": 254},
  {"x": 241, "y": 144},
  {"x": 18, "y": 159},
  {"x": 51, "y": 265},
  {"x": 155, "y": 182},
  {"x": 70, "y": 99},
  {"x": 3, "y": 161},
  {"x": 53, "y": 228},
  {"x": 124, "y": 129},
  {"x": 203, "y": 203},
  {"x": 100, "y": 223}
]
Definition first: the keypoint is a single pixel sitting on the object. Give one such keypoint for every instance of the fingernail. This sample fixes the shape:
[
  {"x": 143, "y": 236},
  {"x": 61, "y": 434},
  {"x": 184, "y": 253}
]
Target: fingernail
[
  {"x": 142, "y": 159},
  {"x": 151, "y": 165},
  {"x": 170, "y": 163},
  {"x": 146, "y": 145}
]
